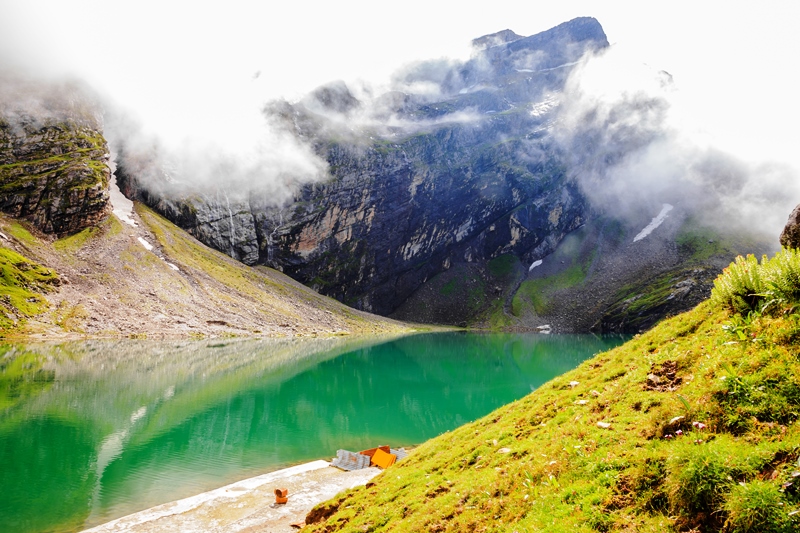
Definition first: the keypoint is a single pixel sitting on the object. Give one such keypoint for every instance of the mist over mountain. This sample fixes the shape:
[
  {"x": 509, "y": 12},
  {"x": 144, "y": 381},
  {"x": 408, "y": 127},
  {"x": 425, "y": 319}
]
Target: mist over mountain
[
  {"x": 463, "y": 166},
  {"x": 403, "y": 166},
  {"x": 527, "y": 185}
]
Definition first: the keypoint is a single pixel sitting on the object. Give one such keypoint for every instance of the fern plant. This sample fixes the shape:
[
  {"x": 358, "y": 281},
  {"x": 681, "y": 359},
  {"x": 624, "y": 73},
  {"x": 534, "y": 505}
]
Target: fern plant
[
  {"x": 783, "y": 273},
  {"x": 739, "y": 286},
  {"x": 747, "y": 286}
]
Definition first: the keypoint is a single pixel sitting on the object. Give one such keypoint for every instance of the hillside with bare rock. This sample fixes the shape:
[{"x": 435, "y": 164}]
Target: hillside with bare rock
[{"x": 153, "y": 279}]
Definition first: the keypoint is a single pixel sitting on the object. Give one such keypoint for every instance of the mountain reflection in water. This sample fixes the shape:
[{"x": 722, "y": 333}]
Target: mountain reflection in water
[{"x": 90, "y": 431}]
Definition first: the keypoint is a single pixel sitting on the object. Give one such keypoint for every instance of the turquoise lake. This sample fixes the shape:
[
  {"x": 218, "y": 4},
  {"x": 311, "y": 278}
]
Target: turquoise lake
[{"x": 91, "y": 431}]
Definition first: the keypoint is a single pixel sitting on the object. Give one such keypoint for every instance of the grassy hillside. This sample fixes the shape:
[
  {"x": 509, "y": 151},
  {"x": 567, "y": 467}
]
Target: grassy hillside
[
  {"x": 114, "y": 280},
  {"x": 692, "y": 426},
  {"x": 22, "y": 284}
]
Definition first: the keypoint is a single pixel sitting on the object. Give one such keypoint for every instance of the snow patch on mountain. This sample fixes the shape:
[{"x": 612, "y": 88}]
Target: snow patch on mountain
[{"x": 656, "y": 222}]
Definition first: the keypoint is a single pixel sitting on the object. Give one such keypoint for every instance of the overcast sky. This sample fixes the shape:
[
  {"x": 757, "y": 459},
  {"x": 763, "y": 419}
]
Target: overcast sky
[{"x": 733, "y": 61}]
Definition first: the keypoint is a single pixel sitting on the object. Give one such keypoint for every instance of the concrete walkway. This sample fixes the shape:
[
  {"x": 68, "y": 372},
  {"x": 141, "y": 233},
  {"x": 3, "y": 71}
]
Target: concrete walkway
[{"x": 246, "y": 506}]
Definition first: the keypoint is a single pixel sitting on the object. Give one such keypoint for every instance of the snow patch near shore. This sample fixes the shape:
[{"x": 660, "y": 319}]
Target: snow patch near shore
[{"x": 656, "y": 222}]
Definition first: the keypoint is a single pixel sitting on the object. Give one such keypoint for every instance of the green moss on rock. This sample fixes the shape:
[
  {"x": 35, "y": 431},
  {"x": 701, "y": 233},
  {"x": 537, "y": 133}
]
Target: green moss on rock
[{"x": 54, "y": 175}]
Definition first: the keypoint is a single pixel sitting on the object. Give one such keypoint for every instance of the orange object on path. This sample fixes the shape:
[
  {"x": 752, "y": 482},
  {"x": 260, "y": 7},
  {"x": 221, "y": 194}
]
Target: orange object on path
[
  {"x": 281, "y": 495},
  {"x": 369, "y": 453},
  {"x": 383, "y": 459}
]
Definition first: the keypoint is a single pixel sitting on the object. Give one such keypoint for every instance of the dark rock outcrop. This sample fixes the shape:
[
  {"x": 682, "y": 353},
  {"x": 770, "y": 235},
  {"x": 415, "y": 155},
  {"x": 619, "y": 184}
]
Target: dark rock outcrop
[
  {"x": 335, "y": 97},
  {"x": 53, "y": 163},
  {"x": 790, "y": 236}
]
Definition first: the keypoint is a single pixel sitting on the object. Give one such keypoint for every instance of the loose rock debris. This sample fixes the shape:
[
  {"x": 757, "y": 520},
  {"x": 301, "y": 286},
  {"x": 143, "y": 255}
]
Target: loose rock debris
[{"x": 663, "y": 377}]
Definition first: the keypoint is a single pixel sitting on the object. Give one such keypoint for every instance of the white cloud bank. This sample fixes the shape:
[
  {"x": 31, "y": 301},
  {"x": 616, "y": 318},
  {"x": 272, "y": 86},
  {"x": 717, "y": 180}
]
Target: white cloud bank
[
  {"x": 637, "y": 137},
  {"x": 196, "y": 75}
]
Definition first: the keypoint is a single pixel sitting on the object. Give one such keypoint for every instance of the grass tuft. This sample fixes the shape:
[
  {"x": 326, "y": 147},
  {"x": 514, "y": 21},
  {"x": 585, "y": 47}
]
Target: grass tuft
[
  {"x": 747, "y": 285},
  {"x": 758, "y": 507}
]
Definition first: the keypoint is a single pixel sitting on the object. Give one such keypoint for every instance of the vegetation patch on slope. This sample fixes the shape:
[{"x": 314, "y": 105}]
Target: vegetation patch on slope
[
  {"x": 274, "y": 296},
  {"x": 467, "y": 294},
  {"x": 536, "y": 293},
  {"x": 699, "y": 244},
  {"x": 22, "y": 285},
  {"x": 75, "y": 242},
  {"x": 692, "y": 426}
]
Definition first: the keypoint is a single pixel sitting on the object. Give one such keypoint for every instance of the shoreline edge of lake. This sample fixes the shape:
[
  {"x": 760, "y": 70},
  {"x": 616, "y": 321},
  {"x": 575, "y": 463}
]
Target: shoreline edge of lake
[{"x": 247, "y": 505}]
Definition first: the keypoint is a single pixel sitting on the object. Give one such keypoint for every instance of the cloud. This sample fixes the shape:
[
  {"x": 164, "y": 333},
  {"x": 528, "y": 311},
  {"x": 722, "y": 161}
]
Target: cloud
[
  {"x": 628, "y": 133},
  {"x": 27, "y": 103},
  {"x": 362, "y": 112},
  {"x": 430, "y": 78},
  {"x": 270, "y": 161},
  {"x": 183, "y": 78},
  {"x": 245, "y": 152}
]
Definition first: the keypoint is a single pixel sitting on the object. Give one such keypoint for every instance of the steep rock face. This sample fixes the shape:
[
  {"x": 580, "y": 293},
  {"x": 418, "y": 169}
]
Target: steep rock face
[
  {"x": 556, "y": 48},
  {"x": 216, "y": 219},
  {"x": 395, "y": 219},
  {"x": 417, "y": 183},
  {"x": 54, "y": 173}
]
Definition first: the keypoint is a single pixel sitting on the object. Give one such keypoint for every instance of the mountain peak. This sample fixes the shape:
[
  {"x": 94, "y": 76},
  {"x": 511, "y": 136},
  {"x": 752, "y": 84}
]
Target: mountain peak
[
  {"x": 334, "y": 96},
  {"x": 577, "y": 30},
  {"x": 494, "y": 39}
]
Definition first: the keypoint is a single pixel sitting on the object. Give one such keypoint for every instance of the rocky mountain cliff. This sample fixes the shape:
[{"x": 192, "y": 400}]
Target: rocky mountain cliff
[
  {"x": 53, "y": 160},
  {"x": 443, "y": 195},
  {"x": 464, "y": 177}
]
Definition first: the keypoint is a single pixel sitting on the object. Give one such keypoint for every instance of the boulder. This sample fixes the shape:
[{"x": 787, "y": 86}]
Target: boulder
[{"x": 790, "y": 237}]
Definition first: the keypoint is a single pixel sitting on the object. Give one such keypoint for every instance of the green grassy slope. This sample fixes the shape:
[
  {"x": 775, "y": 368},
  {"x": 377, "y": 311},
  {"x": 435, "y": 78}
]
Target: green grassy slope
[
  {"x": 692, "y": 426},
  {"x": 22, "y": 285}
]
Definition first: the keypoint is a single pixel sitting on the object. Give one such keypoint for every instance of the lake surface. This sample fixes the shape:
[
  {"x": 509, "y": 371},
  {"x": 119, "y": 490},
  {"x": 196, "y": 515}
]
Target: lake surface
[{"x": 95, "y": 430}]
